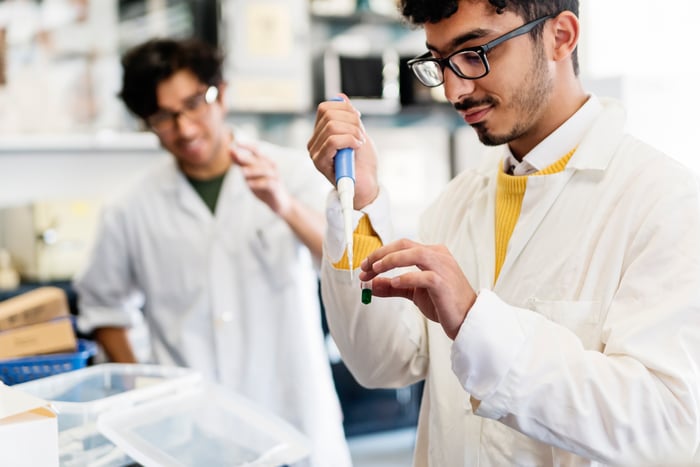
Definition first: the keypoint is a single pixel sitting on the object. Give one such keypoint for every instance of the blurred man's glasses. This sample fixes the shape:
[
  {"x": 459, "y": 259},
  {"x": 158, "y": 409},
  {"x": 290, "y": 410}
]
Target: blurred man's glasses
[
  {"x": 194, "y": 108},
  {"x": 469, "y": 63}
]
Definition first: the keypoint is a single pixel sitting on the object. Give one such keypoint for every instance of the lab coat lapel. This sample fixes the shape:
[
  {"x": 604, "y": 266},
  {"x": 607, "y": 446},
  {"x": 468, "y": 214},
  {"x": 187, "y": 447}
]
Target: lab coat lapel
[
  {"x": 593, "y": 154},
  {"x": 483, "y": 234},
  {"x": 476, "y": 242},
  {"x": 233, "y": 209},
  {"x": 541, "y": 193}
]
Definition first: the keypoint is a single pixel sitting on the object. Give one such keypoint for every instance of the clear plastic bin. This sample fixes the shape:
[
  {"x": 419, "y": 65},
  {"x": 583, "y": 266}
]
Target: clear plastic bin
[
  {"x": 206, "y": 425},
  {"x": 81, "y": 396}
]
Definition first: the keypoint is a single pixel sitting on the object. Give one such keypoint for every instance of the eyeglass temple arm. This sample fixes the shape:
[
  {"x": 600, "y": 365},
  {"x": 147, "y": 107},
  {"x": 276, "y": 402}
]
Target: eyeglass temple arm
[{"x": 524, "y": 29}]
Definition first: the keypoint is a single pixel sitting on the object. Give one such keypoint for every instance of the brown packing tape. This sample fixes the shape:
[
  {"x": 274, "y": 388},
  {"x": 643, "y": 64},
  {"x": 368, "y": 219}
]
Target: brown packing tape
[{"x": 36, "y": 306}]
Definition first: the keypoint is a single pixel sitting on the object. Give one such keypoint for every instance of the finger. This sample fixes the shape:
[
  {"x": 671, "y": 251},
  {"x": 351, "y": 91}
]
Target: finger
[
  {"x": 417, "y": 280},
  {"x": 337, "y": 126},
  {"x": 336, "y": 135},
  {"x": 246, "y": 154},
  {"x": 386, "y": 249},
  {"x": 423, "y": 257},
  {"x": 241, "y": 156},
  {"x": 370, "y": 267},
  {"x": 337, "y": 109},
  {"x": 334, "y": 118},
  {"x": 253, "y": 173},
  {"x": 367, "y": 275},
  {"x": 376, "y": 261},
  {"x": 382, "y": 287},
  {"x": 261, "y": 183},
  {"x": 390, "y": 256},
  {"x": 323, "y": 156},
  {"x": 251, "y": 148},
  {"x": 262, "y": 164}
]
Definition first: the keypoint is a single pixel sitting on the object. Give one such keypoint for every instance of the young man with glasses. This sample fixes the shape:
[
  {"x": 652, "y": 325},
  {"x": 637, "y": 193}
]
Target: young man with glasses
[
  {"x": 218, "y": 243},
  {"x": 552, "y": 305}
]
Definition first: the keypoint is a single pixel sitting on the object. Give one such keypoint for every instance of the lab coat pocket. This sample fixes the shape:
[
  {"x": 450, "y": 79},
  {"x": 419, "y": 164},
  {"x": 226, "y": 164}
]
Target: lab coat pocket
[{"x": 582, "y": 317}]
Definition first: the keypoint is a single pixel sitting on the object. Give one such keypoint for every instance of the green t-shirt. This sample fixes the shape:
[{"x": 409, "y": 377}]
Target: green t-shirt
[{"x": 208, "y": 190}]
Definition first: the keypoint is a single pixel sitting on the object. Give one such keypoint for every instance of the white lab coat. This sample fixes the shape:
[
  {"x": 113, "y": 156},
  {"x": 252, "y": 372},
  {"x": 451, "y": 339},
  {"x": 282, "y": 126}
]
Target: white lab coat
[
  {"x": 586, "y": 351},
  {"x": 233, "y": 296}
]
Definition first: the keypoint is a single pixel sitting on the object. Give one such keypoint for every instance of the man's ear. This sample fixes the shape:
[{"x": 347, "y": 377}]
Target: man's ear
[{"x": 565, "y": 27}]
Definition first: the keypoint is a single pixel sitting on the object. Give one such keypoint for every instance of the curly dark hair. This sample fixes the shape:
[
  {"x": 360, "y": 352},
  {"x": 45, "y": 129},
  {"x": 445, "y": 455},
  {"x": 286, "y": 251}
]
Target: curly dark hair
[
  {"x": 156, "y": 60},
  {"x": 432, "y": 11}
]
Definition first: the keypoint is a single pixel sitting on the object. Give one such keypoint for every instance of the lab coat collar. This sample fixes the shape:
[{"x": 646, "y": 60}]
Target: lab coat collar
[
  {"x": 561, "y": 141},
  {"x": 175, "y": 182},
  {"x": 597, "y": 148},
  {"x": 594, "y": 152}
]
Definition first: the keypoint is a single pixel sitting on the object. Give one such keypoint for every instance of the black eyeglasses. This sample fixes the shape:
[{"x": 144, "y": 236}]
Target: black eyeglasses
[
  {"x": 194, "y": 108},
  {"x": 469, "y": 63}
]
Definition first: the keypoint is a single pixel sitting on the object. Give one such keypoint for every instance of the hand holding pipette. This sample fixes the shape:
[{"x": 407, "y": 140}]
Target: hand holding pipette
[
  {"x": 344, "y": 166},
  {"x": 338, "y": 133}
]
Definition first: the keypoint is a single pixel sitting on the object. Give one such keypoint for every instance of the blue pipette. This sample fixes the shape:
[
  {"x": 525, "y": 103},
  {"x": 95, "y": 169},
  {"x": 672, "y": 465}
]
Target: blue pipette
[{"x": 344, "y": 166}]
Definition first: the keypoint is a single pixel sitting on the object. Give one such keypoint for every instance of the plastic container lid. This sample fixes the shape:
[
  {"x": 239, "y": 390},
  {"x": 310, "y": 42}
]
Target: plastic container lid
[
  {"x": 206, "y": 425},
  {"x": 81, "y": 396},
  {"x": 108, "y": 386}
]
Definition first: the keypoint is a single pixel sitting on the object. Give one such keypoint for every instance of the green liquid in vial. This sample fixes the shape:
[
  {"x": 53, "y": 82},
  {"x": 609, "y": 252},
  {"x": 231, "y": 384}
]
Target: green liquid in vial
[{"x": 366, "y": 296}]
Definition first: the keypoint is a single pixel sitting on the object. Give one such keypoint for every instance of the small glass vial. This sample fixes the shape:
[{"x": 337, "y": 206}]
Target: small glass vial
[{"x": 366, "y": 291}]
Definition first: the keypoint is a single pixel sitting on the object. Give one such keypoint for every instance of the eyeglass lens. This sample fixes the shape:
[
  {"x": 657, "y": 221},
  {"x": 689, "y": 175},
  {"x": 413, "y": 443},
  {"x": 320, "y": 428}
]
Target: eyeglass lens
[
  {"x": 467, "y": 64},
  {"x": 194, "y": 108}
]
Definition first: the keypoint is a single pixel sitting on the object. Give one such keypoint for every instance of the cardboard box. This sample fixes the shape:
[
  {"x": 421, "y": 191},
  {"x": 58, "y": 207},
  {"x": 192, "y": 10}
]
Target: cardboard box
[
  {"x": 28, "y": 430},
  {"x": 36, "y": 306},
  {"x": 49, "y": 337}
]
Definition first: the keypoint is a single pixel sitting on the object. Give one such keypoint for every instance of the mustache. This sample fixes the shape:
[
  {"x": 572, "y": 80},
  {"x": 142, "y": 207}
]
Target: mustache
[{"x": 467, "y": 104}]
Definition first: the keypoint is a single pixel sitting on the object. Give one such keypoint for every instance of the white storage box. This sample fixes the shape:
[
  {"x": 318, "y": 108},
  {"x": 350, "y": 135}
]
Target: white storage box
[
  {"x": 28, "y": 430},
  {"x": 81, "y": 396},
  {"x": 207, "y": 425}
]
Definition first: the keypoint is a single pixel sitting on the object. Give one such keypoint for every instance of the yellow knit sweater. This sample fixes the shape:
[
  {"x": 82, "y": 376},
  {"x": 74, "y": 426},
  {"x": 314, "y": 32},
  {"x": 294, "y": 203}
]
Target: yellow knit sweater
[
  {"x": 364, "y": 241},
  {"x": 510, "y": 191}
]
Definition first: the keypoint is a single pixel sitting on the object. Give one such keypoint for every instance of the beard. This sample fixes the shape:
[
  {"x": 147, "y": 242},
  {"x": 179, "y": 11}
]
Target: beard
[{"x": 527, "y": 102}]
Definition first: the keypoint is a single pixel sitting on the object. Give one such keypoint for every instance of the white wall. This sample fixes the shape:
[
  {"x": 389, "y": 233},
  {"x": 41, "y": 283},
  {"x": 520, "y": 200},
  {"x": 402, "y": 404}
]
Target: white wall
[
  {"x": 33, "y": 167},
  {"x": 650, "y": 49}
]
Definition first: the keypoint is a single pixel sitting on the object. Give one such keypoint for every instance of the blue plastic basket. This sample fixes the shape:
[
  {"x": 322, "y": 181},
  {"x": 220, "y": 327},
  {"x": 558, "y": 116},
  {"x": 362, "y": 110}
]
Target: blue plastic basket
[{"x": 20, "y": 370}]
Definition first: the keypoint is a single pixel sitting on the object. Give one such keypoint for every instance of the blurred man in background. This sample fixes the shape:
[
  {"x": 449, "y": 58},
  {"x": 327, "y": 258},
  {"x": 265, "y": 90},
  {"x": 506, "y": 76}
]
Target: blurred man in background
[{"x": 217, "y": 243}]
